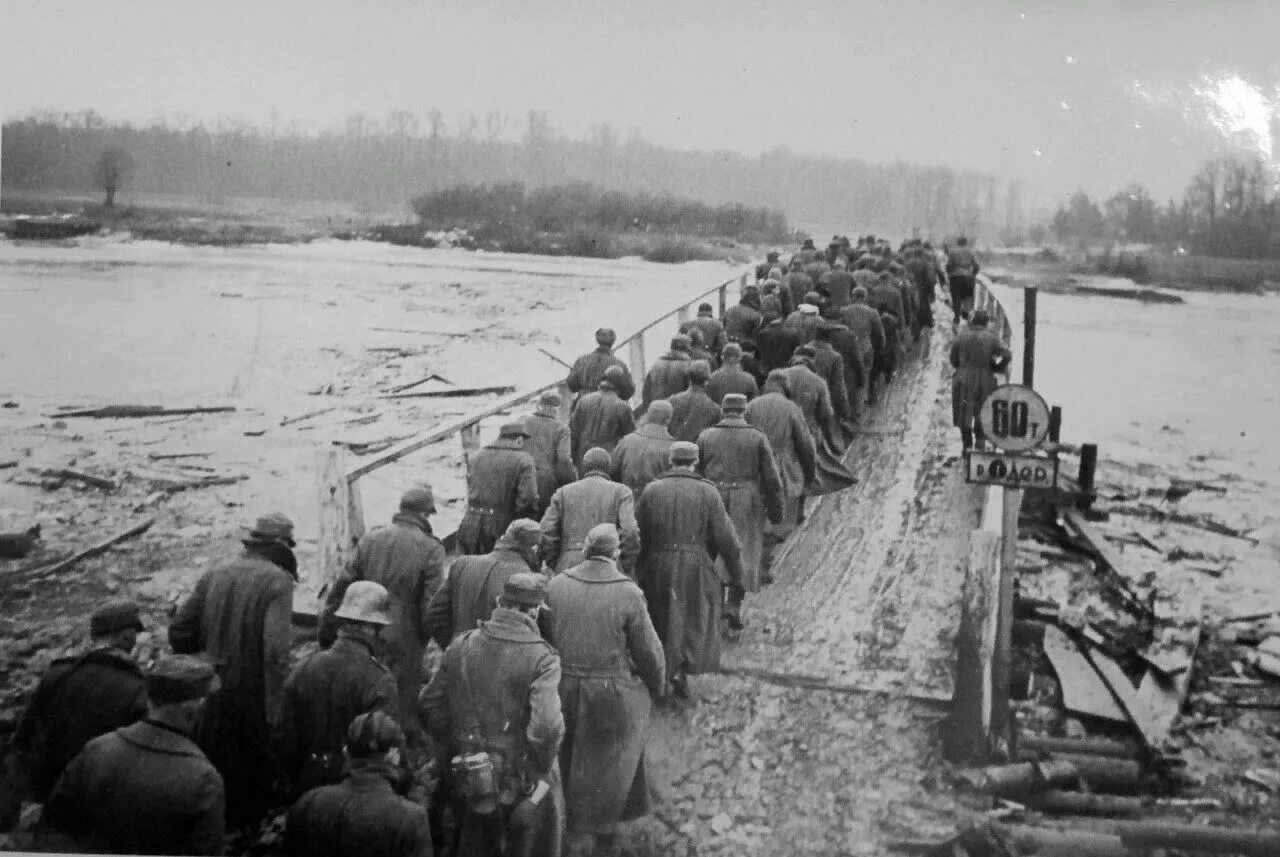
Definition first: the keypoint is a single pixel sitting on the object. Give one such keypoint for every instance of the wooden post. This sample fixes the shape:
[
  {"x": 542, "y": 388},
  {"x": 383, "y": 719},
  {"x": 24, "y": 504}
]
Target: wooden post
[
  {"x": 967, "y": 736},
  {"x": 1002, "y": 661},
  {"x": 635, "y": 359},
  {"x": 682, "y": 315},
  {"x": 724, "y": 298},
  {"x": 1055, "y": 423},
  {"x": 1029, "y": 335},
  {"x": 341, "y": 519},
  {"x": 470, "y": 438},
  {"x": 566, "y": 402},
  {"x": 1088, "y": 471}
]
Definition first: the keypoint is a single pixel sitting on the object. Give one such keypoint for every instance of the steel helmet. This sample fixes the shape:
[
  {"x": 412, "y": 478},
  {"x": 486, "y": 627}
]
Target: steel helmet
[
  {"x": 373, "y": 734},
  {"x": 366, "y": 601}
]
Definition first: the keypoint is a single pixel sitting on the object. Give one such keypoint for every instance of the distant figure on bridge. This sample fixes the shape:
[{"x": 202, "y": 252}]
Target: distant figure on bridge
[
  {"x": 861, "y": 318},
  {"x": 829, "y": 366},
  {"x": 731, "y": 377},
  {"x": 601, "y": 419},
  {"x": 770, "y": 261},
  {"x": 962, "y": 268},
  {"x": 797, "y": 282},
  {"x": 837, "y": 283},
  {"x": 588, "y": 370},
  {"x": 742, "y": 320},
  {"x": 466, "y": 599},
  {"x": 550, "y": 448},
  {"x": 642, "y": 455},
  {"x": 977, "y": 354},
  {"x": 776, "y": 342},
  {"x": 669, "y": 374},
  {"x": 692, "y": 409},
  {"x": 783, "y": 424},
  {"x": 845, "y": 343},
  {"x": 713, "y": 337},
  {"x": 697, "y": 347},
  {"x": 576, "y": 509},
  {"x": 810, "y": 393},
  {"x": 502, "y": 485},
  {"x": 804, "y": 321}
]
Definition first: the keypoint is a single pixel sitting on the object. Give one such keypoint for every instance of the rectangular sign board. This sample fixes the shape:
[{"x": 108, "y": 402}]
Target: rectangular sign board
[{"x": 1010, "y": 470}]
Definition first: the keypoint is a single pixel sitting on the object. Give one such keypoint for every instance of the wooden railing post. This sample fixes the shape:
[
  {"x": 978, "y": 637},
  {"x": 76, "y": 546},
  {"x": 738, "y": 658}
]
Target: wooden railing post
[
  {"x": 682, "y": 315},
  {"x": 724, "y": 299},
  {"x": 635, "y": 359},
  {"x": 470, "y": 438},
  {"x": 341, "y": 518},
  {"x": 566, "y": 402}
]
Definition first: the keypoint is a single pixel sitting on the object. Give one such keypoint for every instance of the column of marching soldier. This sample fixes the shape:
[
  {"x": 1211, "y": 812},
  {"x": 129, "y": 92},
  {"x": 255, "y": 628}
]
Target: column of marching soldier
[{"x": 601, "y": 564}]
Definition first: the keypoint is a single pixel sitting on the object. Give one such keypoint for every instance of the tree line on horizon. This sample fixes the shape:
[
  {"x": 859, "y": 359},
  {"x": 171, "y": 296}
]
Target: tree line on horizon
[
  {"x": 367, "y": 162},
  {"x": 1231, "y": 208}
]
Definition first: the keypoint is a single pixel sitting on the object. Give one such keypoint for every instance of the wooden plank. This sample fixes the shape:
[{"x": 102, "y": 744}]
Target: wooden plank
[
  {"x": 1162, "y": 697},
  {"x": 1083, "y": 691},
  {"x": 452, "y": 392},
  {"x": 100, "y": 548},
  {"x": 1002, "y": 657},
  {"x": 1110, "y": 559},
  {"x": 967, "y": 738},
  {"x": 682, "y": 315},
  {"x": 338, "y": 533}
]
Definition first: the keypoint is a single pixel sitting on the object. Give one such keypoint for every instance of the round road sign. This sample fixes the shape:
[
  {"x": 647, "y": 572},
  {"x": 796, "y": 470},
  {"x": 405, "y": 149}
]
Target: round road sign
[{"x": 1014, "y": 418}]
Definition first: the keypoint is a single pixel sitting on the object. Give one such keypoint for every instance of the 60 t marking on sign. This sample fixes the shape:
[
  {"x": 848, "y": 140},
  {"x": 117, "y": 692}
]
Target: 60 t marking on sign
[
  {"x": 1014, "y": 418},
  {"x": 1010, "y": 471}
]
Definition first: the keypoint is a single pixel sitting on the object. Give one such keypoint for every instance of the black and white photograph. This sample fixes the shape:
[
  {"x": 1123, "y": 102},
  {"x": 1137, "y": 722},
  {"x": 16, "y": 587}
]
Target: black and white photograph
[{"x": 474, "y": 428}]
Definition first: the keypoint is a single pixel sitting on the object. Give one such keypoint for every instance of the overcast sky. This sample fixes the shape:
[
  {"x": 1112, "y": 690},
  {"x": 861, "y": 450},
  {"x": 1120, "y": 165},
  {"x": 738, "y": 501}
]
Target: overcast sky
[{"x": 1063, "y": 94}]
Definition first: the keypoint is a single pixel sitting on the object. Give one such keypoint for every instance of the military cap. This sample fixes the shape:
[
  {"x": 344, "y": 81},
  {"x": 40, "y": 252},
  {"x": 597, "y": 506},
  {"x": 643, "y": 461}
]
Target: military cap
[
  {"x": 419, "y": 498},
  {"x": 812, "y": 298},
  {"x": 116, "y": 615},
  {"x": 513, "y": 430},
  {"x": 597, "y": 458},
  {"x": 700, "y": 371},
  {"x": 780, "y": 379},
  {"x": 859, "y": 293},
  {"x": 526, "y": 589},
  {"x": 373, "y": 734},
  {"x": 731, "y": 351},
  {"x": 550, "y": 399},
  {"x": 180, "y": 678},
  {"x": 733, "y": 402},
  {"x": 806, "y": 351},
  {"x": 365, "y": 601},
  {"x": 682, "y": 451},
  {"x": 704, "y": 307},
  {"x": 524, "y": 531},
  {"x": 272, "y": 527},
  {"x": 660, "y": 411},
  {"x": 680, "y": 342},
  {"x": 602, "y": 540},
  {"x": 606, "y": 337},
  {"x": 616, "y": 371}
]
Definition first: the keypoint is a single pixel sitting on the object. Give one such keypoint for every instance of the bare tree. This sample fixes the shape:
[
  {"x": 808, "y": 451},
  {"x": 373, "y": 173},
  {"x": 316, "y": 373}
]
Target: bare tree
[{"x": 114, "y": 165}]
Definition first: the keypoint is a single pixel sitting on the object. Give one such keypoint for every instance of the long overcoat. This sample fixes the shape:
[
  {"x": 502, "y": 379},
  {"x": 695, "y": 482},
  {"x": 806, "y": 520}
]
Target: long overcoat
[
  {"x": 408, "y": 560},
  {"x": 829, "y": 366},
  {"x": 548, "y": 445},
  {"x": 712, "y": 329},
  {"x": 811, "y": 395},
  {"x": 783, "y": 423},
  {"x": 142, "y": 789},
  {"x": 601, "y": 419},
  {"x": 805, "y": 324},
  {"x": 839, "y": 286},
  {"x": 798, "y": 284},
  {"x": 502, "y": 485},
  {"x": 513, "y": 702},
  {"x": 776, "y": 344},
  {"x": 361, "y": 816},
  {"x": 684, "y": 528},
  {"x": 611, "y": 660},
  {"x": 668, "y": 375},
  {"x": 575, "y": 509},
  {"x": 865, "y": 323},
  {"x": 885, "y": 297},
  {"x": 845, "y": 342},
  {"x": 731, "y": 379},
  {"x": 692, "y": 411},
  {"x": 77, "y": 700},
  {"x": 471, "y": 591},
  {"x": 641, "y": 456},
  {"x": 240, "y": 616},
  {"x": 972, "y": 352},
  {"x": 742, "y": 321},
  {"x": 588, "y": 371},
  {"x": 736, "y": 457}
]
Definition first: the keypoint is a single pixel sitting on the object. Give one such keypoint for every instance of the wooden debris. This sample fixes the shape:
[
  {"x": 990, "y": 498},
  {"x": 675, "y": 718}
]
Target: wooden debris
[
  {"x": 555, "y": 358},
  {"x": 77, "y": 476},
  {"x": 1020, "y": 778},
  {"x": 1079, "y": 746},
  {"x": 5, "y": 465},
  {"x": 1162, "y": 697},
  {"x": 1100, "y": 773},
  {"x": 162, "y": 456},
  {"x": 100, "y": 548},
  {"x": 137, "y": 411},
  {"x": 1201, "y": 522},
  {"x": 308, "y": 415},
  {"x": 1109, "y": 563},
  {"x": 409, "y": 386},
  {"x": 174, "y": 486},
  {"x": 1083, "y": 691},
  {"x": 452, "y": 392},
  {"x": 421, "y": 332},
  {"x": 1080, "y": 803}
]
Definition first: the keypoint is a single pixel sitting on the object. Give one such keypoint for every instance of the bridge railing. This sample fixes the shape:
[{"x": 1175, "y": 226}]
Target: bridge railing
[{"x": 341, "y": 509}]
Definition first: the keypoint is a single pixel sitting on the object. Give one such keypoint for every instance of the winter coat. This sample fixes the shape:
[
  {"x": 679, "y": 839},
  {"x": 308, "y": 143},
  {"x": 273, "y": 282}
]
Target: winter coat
[
  {"x": 864, "y": 321},
  {"x": 805, "y": 324},
  {"x": 829, "y": 366},
  {"x": 468, "y": 596},
  {"x": 77, "y": 700},
  {"x": 816, "y": 270},
  {"x": 684, "y": 528},
  {"x": 845, "y": 343},
  {"x": 611, "y": 660},
  {"x": 839, "y": 287},
  {"x": 548, "y": 446},
  {"x": 798, "y": 284},
  {"x": 692, "y": 411},
  {"x": 575, "y": 509},
  {"x": 240, "y": 615},
  {"x": 668, "y": 375},
  {"x": 713, "y": 336},
  {"x": 502, "y": 485},
  {"x": 735, "y": 456},
  {"x": 972, "y": 353},
  {"x": 865, "y": 278},
  {"x": 783, "y": 424},
  {"x": 588, "y": 371},
  {"x": 143, "y": 789},
  {"x": 732, "y": 379},
  {"x": 771, "y": 305},
  {"x": 361, "y": 816},
  {"x": 513, "y": 710},
  {"x": 742, "y": 321},
  {"x": 776, "y": 343},
  {"x": 885, "y": 297},
  {"x": 962, "y": 263},
  {"x": 601, "y": 419},
  {"x": 322, "y": 696},
  {"x": 408, "y": 560},
  {"x": 810, "y": 393},
  {"x": 641, "y": 456}
]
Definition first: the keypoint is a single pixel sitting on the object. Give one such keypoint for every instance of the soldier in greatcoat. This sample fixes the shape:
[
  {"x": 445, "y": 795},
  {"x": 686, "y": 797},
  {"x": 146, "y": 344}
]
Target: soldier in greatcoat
[
  {"x": 697, "y": 347},
  {"x": 642, "y": 455},
  {"x": 775, "y": 343},
  {"x": 240, "y": 617},
  {"x": 588, "y": 370},
  {"x": 668, "y": 375},
  {"x": 735, "y": 456},
  {"x": 810, "y": 393},
  {"x": 549, "y": 447},
  {"x": 845, "y": 343},
  {"x": 796, "y": 282},
  {"x": 692, "y": 409},
  {"x": 82, "y": 697},
  {"x": 829, "y": 366},
  {"x": 467, "y": 597},
  {"x": 976, "y": 353},
  {"x": 611, "y": 664},
  {"x": 731, "y": 377},
  {"x": 498, "y": 692},
  {"x": 804, "y": 321},
  {"x": 684, "y": 528},
  {"x": 575, "y": 509},
  {"x": 838, "y": 283},
  {"x": 783, "y": 424},
  {"x": 408, "y": 560},
  {"x": 361, "y": 816},
  {"x": 742, "y": 320},
  {"x": 712, "y": 328},
  {"x": 885, "y": 297},
  {"x": 325, "y": 692},
  {"x": 863, "y": 319},
  {"x": 962, "y": 271},
  {"x": 502, "y": 485},
  {"x": 145, "y": 788},
  {"x": 601, "y": 419}
]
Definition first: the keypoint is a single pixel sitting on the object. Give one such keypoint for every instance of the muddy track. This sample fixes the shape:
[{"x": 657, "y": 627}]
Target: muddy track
[{"x": 867, "y": 597}]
